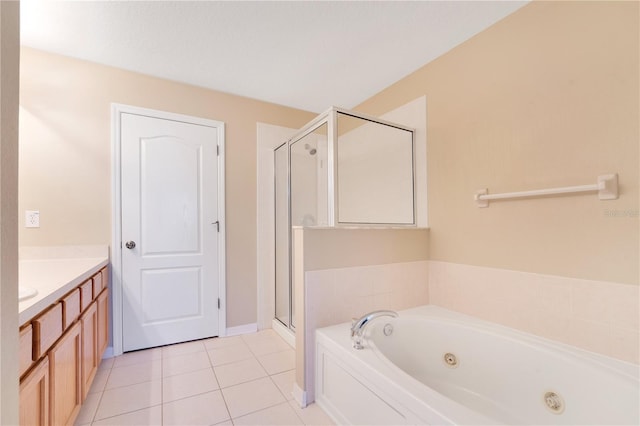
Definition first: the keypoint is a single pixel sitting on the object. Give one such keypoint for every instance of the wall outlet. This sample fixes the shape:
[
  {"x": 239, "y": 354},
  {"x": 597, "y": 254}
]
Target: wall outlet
[{"x": 32, "y": 219}]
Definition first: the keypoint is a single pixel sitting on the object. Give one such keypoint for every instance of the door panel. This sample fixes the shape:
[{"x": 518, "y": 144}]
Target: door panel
[
  {"x": 172, "y": 284},
  {"x": 169, "y": 210},
  {"x": 176, "y": 209}
]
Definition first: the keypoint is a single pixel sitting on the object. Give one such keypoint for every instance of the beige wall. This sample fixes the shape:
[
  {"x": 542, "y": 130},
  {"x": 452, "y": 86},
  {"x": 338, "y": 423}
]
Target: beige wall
[
  {"x": 547, "y": 97},
  {"x": 345, "y": 248},
  {"x": 65, "y": 156},
  {"x": 9, "y": 78}
]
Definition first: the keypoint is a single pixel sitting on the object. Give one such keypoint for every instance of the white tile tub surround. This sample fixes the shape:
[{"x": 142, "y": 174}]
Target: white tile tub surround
[
  {"x": 337, "y": 295},
  {"x": 334, "y": 296},
  {"x": 601, "y": 317}
]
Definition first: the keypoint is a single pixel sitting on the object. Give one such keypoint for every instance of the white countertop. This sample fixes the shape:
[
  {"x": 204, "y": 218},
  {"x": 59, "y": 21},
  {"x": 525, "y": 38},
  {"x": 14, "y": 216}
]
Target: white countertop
[{"x": 53, "y": 274}]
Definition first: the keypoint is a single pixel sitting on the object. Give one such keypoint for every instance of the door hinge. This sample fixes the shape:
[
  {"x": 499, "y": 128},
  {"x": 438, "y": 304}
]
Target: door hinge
[
  {"x": 218, "y": 150},
  {"x": 218, "y": 303}
]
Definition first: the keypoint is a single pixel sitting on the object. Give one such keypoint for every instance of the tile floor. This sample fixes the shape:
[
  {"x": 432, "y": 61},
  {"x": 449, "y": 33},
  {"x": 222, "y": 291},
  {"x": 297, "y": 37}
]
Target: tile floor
[{"x": 239, "y": 380}]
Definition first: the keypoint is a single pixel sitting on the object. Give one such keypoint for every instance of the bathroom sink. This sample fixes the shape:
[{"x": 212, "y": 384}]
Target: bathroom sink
[{"x": 26, "y": 293}]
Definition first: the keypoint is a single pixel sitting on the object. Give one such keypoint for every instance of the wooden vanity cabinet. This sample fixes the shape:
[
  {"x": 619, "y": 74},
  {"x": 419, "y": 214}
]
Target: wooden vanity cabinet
[
  {"x": 60, "y": 351},
  {"x": 65, "y": 374},
  {"x": 34, "y": 395},
  {"x": 90, "y": 358}
]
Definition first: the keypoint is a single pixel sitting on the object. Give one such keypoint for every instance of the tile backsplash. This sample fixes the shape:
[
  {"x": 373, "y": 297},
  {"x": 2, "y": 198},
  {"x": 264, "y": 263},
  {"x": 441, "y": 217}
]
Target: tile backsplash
[
  {"x": 598, "y": 316},
  {"x": 601, "y": 317},
  {"x": 336, "y": 295}
]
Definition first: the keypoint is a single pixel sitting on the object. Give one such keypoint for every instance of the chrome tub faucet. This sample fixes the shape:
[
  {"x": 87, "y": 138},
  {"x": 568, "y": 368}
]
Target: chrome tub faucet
[{"x": 358, "y": 325}]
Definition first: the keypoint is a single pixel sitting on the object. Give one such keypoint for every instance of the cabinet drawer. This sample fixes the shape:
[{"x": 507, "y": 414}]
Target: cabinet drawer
[
  {"x": 70, "y": 308},
  {"x": 25, "y": 349},
  {"x": 47, "y": 328},
  {"x": 86, "y": 294},
  {"x": 105, "y": 277},
  {"x": 97, "y": 283}
]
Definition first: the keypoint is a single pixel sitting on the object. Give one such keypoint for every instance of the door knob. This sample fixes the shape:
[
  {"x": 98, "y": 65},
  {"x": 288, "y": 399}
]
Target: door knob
[{"x": 130, "y": 244}]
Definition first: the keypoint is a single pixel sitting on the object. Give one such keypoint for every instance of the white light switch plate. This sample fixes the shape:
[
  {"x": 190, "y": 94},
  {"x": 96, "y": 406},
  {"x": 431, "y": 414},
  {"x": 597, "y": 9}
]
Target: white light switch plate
[{"x": 32, "y": 219}]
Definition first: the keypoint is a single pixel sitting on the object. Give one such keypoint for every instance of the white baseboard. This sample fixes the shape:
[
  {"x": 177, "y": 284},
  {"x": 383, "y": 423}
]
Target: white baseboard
[
  {"x": 300, "y": 396},
  {"x": 242, "y": 329}
]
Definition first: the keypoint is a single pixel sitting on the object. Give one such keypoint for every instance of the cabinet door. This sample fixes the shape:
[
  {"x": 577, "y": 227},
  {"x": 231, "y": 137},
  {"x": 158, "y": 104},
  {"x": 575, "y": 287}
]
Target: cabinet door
[
  {"x": 34, "y": 396},
  {"x": 103, "y": 322},
  {"x": 90, "y": 358},
  {"x": 65, "y": 372}
]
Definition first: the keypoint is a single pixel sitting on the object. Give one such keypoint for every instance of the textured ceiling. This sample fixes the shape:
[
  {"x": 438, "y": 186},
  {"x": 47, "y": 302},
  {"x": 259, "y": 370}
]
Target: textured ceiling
[{"x": 308, "y": 55}]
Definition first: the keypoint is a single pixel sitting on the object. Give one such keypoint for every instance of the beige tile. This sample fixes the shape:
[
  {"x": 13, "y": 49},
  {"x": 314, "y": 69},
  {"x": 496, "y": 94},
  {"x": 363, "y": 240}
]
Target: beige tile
[
  {"x": 135, "y": 373},
  {"x": 225, "y": 423},
  {"x": 182, "y": 349},
  {"x": 265, "y": 342},
  {"x": 625, "y": 345},
  {"x": 88, "y": 409},
  {"x": 181, "y": 364},
  {"x": 99, "y": 381},
  {"x": 281, "y": 414},
  {"x": 129, "y": 398},
  {"x": 229, "y": 354},
  {"x": 106, "y": 364},
  {"x": 252, "y": 396},
  {"x": 188, "y": 384},
  {"x": 205, "y": 409},
  {"x": 553, "y": 295},
  {"x": 312, "y": 414},
  {"x": 222, "y": 342},
  {"x": 278, "y": 362},
  {"x": 591, "y": 300},
  {"x": 137, "y": 357},
  {"x": 590, "y": 335},
  {"x": 284, "y": 382},
  {"x": 550, "y": 326},
  {"x": 151, "y": 416},
  {"x": 239, "y": 372},
  {"x": 262, "y": 334},
  {"x": 626, "y": 301}
]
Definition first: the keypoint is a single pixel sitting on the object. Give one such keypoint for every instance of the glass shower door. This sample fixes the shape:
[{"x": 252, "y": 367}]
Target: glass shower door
[{"x": 301, "y": 185}]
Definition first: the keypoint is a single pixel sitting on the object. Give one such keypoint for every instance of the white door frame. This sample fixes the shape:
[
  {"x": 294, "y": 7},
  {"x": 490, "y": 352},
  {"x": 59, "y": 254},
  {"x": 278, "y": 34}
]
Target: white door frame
[{"x": 116, "y": 218}]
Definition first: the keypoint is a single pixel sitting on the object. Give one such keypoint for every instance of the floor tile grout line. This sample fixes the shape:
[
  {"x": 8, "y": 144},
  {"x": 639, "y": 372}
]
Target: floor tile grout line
[
  {"x": 215, "y": 376},
  {"x": 95, "y": 413},
  {"x": 119, "y": 387},
  {"x": 220, "y": 388},
  {"x": 126, "y": 412},
  {"x": 266, "y": 408}
]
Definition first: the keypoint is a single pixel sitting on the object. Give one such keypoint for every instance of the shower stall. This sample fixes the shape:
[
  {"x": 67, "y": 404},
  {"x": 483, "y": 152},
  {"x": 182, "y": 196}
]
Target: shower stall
[{"x": 343, "y": 169}]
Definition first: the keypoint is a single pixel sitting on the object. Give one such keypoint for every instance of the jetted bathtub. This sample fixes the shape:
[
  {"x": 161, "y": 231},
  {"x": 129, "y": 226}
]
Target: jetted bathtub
[{"x": 434, "y": 366}]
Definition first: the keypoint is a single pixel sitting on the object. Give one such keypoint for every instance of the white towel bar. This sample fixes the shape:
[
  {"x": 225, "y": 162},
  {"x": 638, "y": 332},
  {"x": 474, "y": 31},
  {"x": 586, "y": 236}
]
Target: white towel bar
[{"x": 607, "y": 188}]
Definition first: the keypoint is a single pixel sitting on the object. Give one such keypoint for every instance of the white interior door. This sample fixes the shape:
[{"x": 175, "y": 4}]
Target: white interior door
[{"x": 169, "y": 205}]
